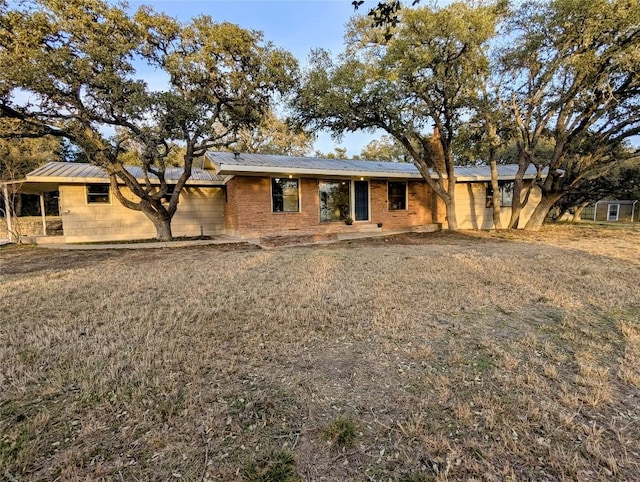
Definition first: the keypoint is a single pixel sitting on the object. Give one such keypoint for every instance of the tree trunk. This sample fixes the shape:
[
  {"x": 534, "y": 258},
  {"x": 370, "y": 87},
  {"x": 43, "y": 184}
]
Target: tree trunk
[
  {"x": 577, "y": 213},
  {"x": 162, "y": 224},
  {"x": 518, "y": 185},
  {"x": 17, "y": 210},
  {"x": 541, "y": 212},
  {"x": 452, "y": 222},
  {"x": 495, "y": 189},
  {"x": 561, "y": 213},
  {"x": 163, "y": 230}
]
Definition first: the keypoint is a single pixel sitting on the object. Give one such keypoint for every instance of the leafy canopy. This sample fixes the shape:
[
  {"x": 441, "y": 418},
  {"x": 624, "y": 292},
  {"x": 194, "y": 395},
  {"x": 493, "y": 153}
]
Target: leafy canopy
[{"x": 67, "y": 69}]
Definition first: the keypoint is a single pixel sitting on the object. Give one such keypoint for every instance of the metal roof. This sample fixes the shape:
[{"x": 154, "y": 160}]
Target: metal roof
[
  {"x": 228, "y": 163},
  {"x": 238, "y": 164},
  {"x": 74, "y": 172}
]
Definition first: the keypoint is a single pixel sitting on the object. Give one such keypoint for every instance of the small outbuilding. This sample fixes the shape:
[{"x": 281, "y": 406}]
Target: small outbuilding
[{"x": 624, "y": 211}]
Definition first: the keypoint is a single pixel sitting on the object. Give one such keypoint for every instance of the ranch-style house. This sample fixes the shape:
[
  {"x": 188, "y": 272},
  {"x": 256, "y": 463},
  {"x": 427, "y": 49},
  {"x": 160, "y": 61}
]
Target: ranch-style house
[{"x": 256, "y": 196}]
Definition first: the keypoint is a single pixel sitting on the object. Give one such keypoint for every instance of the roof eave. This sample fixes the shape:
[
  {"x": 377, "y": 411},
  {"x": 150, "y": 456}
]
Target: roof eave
[
  {"x": 103, "y": 180},
  {"x": 234, "y": 169},
  {"x": 527, "y": 177}
]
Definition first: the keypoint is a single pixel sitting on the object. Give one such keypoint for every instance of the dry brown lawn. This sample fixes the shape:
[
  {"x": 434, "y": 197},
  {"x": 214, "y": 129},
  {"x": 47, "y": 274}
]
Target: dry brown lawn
[{"x": 420, "y": 357}]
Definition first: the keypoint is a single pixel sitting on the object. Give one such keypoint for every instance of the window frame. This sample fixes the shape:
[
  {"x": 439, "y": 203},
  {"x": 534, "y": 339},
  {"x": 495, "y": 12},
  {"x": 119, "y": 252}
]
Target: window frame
[
  {"x": 501, "y": 186},
  {"x": 285, "y": 178},
  {"x": 90, "y": 197},
  {"x": 489, "y": 194},
  {"x": 406, "y": 196},
  {"x": 609, "y": 206}
]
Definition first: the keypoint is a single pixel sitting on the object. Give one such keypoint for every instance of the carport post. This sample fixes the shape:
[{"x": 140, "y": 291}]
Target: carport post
[
  {"x": 7, "y": 211},
  {"x": 44, "y": 217}
]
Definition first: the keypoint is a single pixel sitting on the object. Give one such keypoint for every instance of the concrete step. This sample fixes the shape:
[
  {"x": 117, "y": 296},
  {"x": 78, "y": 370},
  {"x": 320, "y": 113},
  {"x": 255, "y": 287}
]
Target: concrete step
[{"x": 368, "y": 228}]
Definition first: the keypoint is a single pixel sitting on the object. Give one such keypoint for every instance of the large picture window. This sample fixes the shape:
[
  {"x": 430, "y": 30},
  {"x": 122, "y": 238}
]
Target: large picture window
[
  {"x": 285, "y": 195},
  {"x": 397, "y": 195},
  {"x": 98, "y": 194},
  {"x": 334, "y": 200}
]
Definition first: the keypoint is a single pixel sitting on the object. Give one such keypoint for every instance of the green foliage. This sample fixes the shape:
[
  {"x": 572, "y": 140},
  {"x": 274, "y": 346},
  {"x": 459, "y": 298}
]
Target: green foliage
[
  {"x": 20, "y": 156},
  {"x": 341, "y": 432},
  {"x": 385, "y": 149},
  {"x": 273, "y": 136},
  {"x": 274, "y": 466},
  {"x": 427, "y": 73},
  {"x": 338, "y": 153},
  {"x": 76, "y": 60},
  {"x": 573, "y": 78}
]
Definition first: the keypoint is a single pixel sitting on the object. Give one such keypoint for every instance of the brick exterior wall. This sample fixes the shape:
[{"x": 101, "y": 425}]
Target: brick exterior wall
[
  {"x": 418, "y": 212},
  {"x": 248, "y": 210}
]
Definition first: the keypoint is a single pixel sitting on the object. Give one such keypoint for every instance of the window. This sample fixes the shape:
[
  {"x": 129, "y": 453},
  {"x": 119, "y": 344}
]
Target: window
[
  {"x": 98, "y": 194},
  {"x": 397, "y": 195},
  {"x": 285, "y": 195},
  {"x": 506, "y": 194},
  {"x": 614, "y": 211},
  {"x": 334, "y": 200}
]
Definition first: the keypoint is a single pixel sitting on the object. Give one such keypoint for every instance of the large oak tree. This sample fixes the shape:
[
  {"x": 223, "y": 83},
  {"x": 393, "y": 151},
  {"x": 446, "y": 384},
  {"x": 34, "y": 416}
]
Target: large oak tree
[
  {"x": 73, "y": 69},
  {"x": 574, "y": 68},
  {"x": 427, "y": 74}
]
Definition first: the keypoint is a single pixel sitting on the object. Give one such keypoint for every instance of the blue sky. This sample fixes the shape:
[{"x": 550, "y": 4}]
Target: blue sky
[{"x": 296, "y": 25}]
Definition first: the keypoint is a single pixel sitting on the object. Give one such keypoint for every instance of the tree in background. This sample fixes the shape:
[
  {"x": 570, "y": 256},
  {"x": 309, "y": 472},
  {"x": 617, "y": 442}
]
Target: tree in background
[
  {"x": 223, "y": 79},
  {"x": 622, "y": 182},
  {"x": 426, "y": 74},
  {"x": 338, "y": 153},
  {"x": 571, "y": 70},
  {"x": 385, "y": 149},
  {"x": 68, "y": 71},
  {"x": 574, "y": 69},
  {"x": 19, "y": 156},
  {"x": 273, "y": 136}
]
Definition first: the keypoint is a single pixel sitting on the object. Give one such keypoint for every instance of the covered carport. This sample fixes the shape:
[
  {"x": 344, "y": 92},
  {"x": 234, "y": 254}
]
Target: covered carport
[{"x": 10, "y": 189}]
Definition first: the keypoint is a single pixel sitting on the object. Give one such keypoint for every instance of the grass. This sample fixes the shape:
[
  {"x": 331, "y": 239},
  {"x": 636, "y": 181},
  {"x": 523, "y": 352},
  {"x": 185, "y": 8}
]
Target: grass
[
  {"x": 341, "y": 433},
  {"x": 504, "y": 356}
]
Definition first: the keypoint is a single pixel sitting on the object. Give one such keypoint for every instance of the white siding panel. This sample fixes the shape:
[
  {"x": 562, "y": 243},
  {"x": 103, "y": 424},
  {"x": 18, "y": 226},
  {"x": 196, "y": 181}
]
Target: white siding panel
[{"x": 472, "y": 213}]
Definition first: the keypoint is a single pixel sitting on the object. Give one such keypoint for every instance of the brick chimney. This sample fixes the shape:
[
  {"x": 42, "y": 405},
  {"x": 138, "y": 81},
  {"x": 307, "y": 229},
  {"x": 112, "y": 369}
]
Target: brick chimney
[{"x": 436, "y": 152}]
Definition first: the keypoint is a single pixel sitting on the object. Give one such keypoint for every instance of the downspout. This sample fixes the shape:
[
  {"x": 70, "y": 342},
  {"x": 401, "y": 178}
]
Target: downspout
[
  {"x": 633, "y": 210},
  {"x": 595, "y": 210},
  {"x": 7, "y": 212},
  {"x": 44, "y": 217}
]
